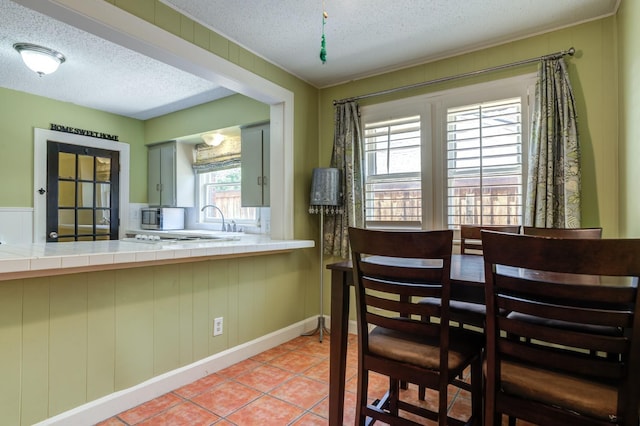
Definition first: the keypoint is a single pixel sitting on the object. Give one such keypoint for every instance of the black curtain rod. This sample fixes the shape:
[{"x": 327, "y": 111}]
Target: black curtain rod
[{"x": 556, "y": 55}]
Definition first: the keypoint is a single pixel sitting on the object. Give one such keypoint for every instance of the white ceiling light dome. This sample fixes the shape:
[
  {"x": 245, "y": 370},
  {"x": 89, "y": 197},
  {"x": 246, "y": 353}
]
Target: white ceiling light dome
[{"x": 39, "y": 59}]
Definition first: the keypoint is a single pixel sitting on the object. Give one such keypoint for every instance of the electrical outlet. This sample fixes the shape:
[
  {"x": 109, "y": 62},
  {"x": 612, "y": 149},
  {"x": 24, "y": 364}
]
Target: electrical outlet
[{"x": 217, "y": 326}]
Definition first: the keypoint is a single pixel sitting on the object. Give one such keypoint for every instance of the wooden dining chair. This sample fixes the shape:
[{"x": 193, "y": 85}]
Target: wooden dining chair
[
  {"x": 575, "y": 302},
  {"x": 471, "y": 239},
  {"x": 580, "y": 233},
  {"x": 391, "y": 272}
]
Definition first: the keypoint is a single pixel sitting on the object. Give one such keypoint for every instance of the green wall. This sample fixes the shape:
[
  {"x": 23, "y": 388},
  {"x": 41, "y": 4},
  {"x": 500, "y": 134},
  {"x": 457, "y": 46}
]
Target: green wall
[
  {"x": 21, "y": 112},
  {"x": 231, "y": 111},
  {"x": 70, "y": 339},
  {"x": 66, "y": 340},
  {"x": 629, "y": 124}
]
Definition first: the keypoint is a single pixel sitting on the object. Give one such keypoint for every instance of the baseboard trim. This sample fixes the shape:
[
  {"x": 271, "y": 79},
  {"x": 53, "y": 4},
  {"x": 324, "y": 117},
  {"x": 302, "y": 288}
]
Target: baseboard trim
[{"x": 117, "y": 402}]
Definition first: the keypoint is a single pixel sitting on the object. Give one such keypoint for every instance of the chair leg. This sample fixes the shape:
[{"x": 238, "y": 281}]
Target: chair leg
[
  {"x": 476, "y": 392},
  {"x": 394, "y": 395},
  {"x": 422, "y": 393},
  {"x": 361, "y": 400}
]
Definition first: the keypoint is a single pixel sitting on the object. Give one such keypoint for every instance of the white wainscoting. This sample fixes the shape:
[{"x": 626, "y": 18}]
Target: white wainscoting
[{"x": 16, "y": 225}]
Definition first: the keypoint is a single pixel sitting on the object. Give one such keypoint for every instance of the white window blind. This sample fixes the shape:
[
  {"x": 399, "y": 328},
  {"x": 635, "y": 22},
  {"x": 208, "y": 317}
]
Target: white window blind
[
  {"x": 392, "y": 172},
  {"x": 484, "y": 163}
]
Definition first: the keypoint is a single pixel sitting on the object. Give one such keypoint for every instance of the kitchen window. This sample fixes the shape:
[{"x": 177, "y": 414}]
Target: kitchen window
[
  {"x": 219, "y": 179},
  {"x": 449, "y": 158},
  {"x": 222, "y": 189}
]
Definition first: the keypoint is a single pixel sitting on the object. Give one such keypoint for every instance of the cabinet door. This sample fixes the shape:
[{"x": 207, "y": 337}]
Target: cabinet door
[
  {"x": 153, "y": 176},
  {"x": 168, "y": 175},
  {"x": 162, "y": 175},
  {"x": 252, "y": 170}
]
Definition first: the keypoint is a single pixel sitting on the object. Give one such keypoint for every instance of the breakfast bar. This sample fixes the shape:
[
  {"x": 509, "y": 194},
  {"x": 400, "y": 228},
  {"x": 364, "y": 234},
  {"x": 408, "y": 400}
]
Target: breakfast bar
[{"x": 45, "y": 259}]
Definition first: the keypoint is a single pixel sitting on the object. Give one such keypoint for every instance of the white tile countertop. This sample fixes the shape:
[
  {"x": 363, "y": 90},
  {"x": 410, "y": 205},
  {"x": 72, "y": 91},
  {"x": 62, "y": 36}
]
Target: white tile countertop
[{"x": 39, "y": 259}]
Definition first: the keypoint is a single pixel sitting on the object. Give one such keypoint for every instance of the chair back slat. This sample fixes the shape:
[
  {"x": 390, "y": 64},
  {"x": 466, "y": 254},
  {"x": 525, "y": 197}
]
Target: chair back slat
[
  {"x": 404, "y": 325},
  {"x": 568, "y": 306},
  {"x": 602, "y": 289},
  {"x": 578, "y": 233},
  {"x": 408, "y": 308},
  {"x": 596, "y": 367},
  {"x": 604, "y": 339},
  {"x": 615, "y": 315}
]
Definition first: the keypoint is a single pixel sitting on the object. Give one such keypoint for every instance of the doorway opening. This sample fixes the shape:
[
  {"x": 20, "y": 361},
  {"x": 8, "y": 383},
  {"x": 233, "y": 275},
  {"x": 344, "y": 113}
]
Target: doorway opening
[{"x": 118, "y": 207}]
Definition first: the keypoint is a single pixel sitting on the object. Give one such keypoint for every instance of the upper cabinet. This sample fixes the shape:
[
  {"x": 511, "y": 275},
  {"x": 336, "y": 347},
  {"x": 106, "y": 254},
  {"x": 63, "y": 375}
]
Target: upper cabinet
[
  {"x": 255, "y": 166},
  {"x": 171, "y": 181}
]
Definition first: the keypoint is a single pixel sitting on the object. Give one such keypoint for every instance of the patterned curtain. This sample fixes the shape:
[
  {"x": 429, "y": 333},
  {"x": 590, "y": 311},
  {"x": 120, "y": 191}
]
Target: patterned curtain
[
  {"x": 347, "y": 156},
  {"x": 553, "y": 192}
]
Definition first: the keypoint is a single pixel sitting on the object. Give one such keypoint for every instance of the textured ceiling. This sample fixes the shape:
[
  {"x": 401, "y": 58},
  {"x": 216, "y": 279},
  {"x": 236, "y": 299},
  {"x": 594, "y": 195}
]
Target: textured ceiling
[
  {"x": 363, "y": 38},
  {"x": 97, "y": 73},
  {"x": 366, "y": 37}
]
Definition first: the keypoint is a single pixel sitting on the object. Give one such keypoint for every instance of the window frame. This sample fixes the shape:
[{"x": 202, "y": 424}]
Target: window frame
[{"x": 432, "y": 109}]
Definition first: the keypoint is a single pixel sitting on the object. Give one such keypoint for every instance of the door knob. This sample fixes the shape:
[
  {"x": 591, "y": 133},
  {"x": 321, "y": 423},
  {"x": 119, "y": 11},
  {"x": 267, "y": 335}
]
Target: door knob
[{"x": 53, "y": 235}]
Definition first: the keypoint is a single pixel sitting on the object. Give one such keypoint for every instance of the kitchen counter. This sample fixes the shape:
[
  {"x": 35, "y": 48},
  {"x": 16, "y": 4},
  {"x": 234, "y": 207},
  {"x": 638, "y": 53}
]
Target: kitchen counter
[{"x": 41, "y": 259}]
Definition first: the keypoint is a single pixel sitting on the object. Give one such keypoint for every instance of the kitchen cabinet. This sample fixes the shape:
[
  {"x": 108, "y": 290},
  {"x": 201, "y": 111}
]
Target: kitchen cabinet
[
  {"x": 255, "y": 165},
  {"x": 171, "y": 181}
]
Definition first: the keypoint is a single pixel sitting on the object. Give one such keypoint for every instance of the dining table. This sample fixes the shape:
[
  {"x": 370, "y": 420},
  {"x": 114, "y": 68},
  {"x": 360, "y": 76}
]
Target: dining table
[{"x": 467, "y": 284}]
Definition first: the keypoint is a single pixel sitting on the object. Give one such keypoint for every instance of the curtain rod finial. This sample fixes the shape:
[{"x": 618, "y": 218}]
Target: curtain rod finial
[{"x": 571, "y": 51}]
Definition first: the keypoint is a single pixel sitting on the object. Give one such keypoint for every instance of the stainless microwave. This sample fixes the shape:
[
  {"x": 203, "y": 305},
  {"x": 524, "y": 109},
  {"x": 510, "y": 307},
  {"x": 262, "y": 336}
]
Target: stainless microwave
[{"x": 162, "y": 218}]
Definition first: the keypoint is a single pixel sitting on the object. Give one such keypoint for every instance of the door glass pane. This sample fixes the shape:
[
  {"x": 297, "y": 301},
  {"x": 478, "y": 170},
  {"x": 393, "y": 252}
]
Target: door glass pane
[
  {"x": 85, "y": 164},
  {"x": 85, "y": 221},
  {"x": 103, "y": 220},
  {"x": 103, "y": 171},
  {"x": 66, "y": 194},
  {"x": 103, "y": 195},
  {"x": 85, "y": 194},
  {"x": 66, "y": 222},
  {"x": 66, "y": 166}
]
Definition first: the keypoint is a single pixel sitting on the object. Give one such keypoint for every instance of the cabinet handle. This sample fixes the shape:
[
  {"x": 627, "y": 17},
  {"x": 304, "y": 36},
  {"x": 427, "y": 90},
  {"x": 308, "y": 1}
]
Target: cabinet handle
[
  {"x": 259, "y": 180},
  {"x": 264, "y": 180}
]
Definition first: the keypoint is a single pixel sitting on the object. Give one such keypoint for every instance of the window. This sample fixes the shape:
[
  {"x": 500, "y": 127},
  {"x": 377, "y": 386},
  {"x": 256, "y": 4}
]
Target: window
[
  {"x": 219, "y": 179},
  {"x": 484, "y": 164},
  {"x": 222, "y": 189},
  {"x": 449, "y": 158},
  {"x": 392, "y": 164}
]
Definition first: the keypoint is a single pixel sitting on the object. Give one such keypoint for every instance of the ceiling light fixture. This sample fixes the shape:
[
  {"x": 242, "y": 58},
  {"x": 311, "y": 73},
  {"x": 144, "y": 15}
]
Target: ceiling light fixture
[
  {"x": 213, "y": 139},
  {"x": 40, "y": 60}
]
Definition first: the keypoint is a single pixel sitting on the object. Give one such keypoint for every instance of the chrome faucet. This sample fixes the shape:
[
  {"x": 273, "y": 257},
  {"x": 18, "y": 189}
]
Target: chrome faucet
[{"x": 221, "y": 215}]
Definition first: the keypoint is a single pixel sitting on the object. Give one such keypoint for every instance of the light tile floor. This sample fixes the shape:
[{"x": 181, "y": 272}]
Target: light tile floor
[{"x": 286, "y": 385}]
